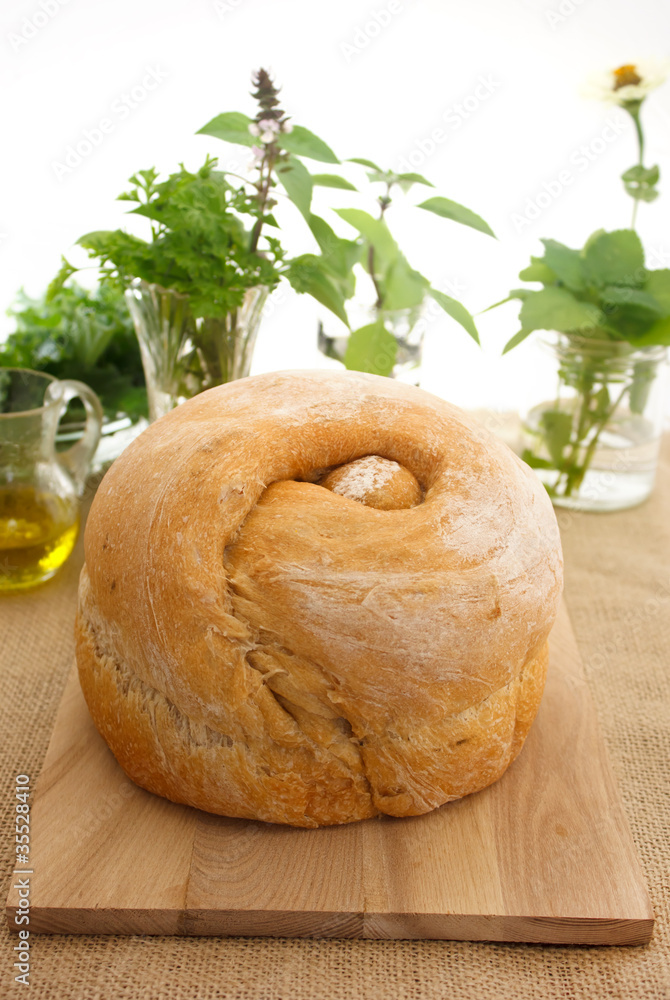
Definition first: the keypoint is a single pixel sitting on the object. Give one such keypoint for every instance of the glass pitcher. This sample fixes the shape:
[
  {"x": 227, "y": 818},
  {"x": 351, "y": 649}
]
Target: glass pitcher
[{"x": 40, "y": 489}]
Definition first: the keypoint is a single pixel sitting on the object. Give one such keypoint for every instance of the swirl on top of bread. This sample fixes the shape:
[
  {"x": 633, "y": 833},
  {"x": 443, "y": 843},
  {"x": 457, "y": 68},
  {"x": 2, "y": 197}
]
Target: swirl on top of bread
[{"x": 313, "y": 597}]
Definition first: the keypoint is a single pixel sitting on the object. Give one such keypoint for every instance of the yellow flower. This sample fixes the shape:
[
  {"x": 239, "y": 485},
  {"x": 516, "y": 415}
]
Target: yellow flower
[{"x": 629, "y": 83}]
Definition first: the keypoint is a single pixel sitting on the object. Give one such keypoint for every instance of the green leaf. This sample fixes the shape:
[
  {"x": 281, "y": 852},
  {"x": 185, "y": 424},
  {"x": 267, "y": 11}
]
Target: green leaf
[
  {"x": 658, "y": 285},
  {"x": 297, "y": 183},
  {"x": 364, "y": 163},
  {"x": 404, "y": 181},
  {"x": 333, "y": 181},
  {"x": 371, "y": 349},
  {"x": 232, "y": 126},
  {"x": 648, "y": 175},
  {"x": 306, "y": 276},
  {"x": 457, "y": 311},
  {"x": 516, "y": 293},
  {"x": 330, "y": 243},
  {"x": 382, "y": 177},
  {"x": 566, "y": 264},
  {"x": 56, "y": 284},
  {"x": 616, "y": 295},
  {"x": 447, "y": 209},
  {"x": 200, "y": 247},
  {"x": 404, "y": 288},
  {"x": 641, "y": 192},
  {"x": 535, "y": 463},
  {"x": 375, "y": 231},
  {"x": 614, "y": 258},
  {"x": 337, "y": 255},
  {"x": 640, "y": 182},
  {"x": 80, "y": 334},
  {"x": 658, "y": 334},
  {"x": 302, "y": 142},
  {"x": 323, "y": 233},
  {"x": 412, "y": 178},
  {"x": 537, "y": 270},
  {"x": 557, "y": 309},
  {"x": 556, "y": 430},
  {"x": 518, "y": 338}
]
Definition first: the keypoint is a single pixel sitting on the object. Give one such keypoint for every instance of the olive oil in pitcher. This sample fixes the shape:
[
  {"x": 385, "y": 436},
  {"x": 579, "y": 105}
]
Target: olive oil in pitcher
[{"x": 38, "y": 530}]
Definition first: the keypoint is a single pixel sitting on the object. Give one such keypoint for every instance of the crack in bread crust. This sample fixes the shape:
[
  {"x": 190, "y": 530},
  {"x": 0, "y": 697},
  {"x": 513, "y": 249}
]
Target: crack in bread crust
[{"x": 163, "y": 730}]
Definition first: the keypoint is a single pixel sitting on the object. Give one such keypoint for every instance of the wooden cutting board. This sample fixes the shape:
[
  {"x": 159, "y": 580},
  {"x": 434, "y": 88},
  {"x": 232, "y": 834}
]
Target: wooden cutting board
[{"x": 544, "y": 855}]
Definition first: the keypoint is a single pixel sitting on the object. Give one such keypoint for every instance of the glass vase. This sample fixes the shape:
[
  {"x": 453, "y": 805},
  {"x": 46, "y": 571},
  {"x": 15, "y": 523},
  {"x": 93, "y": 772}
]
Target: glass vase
[
  {"x": 408, "y": 329},
  {"x": 595, "y": 445},
  {"x": 183, "y": 354}
]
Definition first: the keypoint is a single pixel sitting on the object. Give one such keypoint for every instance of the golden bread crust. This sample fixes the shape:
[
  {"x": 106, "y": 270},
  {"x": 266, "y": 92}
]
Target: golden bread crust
[{"x": 256, "y": 645}]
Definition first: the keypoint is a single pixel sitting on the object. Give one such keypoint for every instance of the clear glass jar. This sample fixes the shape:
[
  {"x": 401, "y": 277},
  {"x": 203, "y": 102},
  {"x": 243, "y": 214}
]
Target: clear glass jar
[
  {"x": 595, "y": 445},
  {"x": 183, "y": 354}
]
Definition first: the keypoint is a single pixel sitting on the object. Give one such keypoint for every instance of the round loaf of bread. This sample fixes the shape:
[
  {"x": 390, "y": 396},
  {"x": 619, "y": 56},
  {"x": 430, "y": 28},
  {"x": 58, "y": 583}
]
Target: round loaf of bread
[{"x": 313, "y": 597}]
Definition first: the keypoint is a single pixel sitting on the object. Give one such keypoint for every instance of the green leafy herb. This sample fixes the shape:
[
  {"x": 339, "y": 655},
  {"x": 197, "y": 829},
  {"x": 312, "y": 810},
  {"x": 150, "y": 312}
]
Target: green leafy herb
[
  {"x": 459, "y": 213},
  {"x": 372, "y": 348},
  {"x": 607, "y": 303},
  {"x": 199, "y": 246},
  {"x": 209, "y": 235},
  {"x": 72, "y": 333}
]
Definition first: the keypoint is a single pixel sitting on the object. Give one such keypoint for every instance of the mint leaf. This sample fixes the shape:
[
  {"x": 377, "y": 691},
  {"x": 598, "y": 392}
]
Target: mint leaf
[
  {"x": 658, "y": 334},
  {"x": 537, "y": 270},
  {"x": 616, "y": 295},
  {"x": 658, "y": 285},
  {"x": 566, "y": 264},
  {"x": 557, "y": 309},
  {"x": 614, "y": 258},
  {"x": 302, "y": 142},
  {"x": 232, "y": 126},
  {"x": 447, "y": 209},
  {"x": 371, "y": 349}
]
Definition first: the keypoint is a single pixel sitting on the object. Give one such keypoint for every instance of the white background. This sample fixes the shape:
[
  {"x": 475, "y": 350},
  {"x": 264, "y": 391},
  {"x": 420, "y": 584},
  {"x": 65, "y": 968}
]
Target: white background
[{"x": 514, "y": 68}]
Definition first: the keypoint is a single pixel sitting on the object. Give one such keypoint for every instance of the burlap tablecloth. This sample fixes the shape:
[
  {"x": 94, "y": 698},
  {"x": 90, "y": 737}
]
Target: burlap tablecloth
[{"x": 618, "y": 594}]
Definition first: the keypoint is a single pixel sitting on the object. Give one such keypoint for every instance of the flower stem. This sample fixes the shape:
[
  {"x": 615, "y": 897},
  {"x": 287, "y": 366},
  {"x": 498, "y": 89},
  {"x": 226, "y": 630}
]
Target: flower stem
[
  {"x": 635, "y": 115},
  {"x": 264, "y": 185},
  {"x": 384, "y": 203},
  {"x": 634, "y": 112}
]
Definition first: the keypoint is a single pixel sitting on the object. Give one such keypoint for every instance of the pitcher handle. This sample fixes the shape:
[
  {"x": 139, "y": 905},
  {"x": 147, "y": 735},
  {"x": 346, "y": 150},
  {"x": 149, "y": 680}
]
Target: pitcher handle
[{"x": 77, "y": 459}]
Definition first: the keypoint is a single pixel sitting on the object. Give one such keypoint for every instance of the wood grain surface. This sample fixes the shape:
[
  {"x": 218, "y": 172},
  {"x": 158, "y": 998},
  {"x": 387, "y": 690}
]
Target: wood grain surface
[{"x": 544, "y": 855}]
